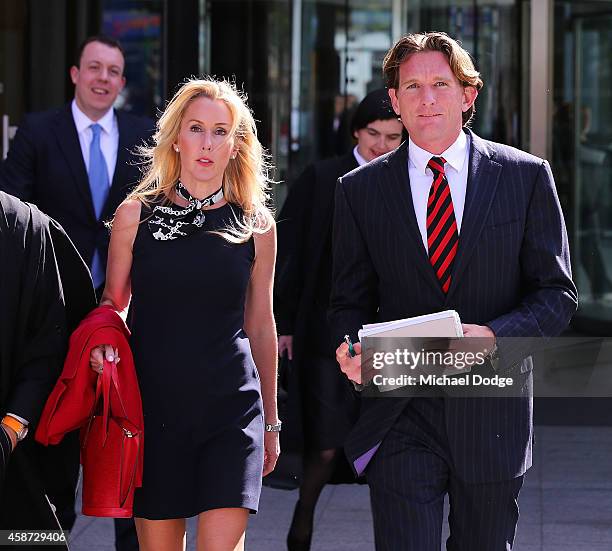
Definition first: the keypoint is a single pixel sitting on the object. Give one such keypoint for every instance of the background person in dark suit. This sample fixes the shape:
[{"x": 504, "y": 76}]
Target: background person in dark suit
[
  {"x": 326, "y": 402},
  {"x": 76, "y": 164},
  {"x": 447, "y": 221}
]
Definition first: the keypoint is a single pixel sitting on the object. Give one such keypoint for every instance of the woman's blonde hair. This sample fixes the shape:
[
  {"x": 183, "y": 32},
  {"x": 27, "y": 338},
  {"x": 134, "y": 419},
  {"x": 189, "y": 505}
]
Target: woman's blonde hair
[{"x": 246, "y": 178}]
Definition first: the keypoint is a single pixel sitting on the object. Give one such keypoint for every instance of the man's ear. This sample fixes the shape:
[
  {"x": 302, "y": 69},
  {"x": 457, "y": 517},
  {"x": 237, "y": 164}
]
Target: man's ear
[
  {"x": 469, "y": 97},
  {"x": 394, "y": 101},
  {"x": 74, "y": 73}
]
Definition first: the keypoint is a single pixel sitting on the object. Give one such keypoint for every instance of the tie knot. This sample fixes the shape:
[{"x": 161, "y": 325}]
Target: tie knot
[
  {"x": 96, "y": 129},
  {"x": 436, "y": 164}
]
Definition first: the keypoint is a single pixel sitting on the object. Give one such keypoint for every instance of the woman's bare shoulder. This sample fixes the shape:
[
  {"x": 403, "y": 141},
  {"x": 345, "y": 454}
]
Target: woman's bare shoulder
[
  {"x": 265, "y": 238},
  {"x": 127, "y": 214}
]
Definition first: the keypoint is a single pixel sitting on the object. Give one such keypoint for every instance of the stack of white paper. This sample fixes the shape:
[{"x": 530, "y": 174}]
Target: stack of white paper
[{"x": 439, "y": 324}]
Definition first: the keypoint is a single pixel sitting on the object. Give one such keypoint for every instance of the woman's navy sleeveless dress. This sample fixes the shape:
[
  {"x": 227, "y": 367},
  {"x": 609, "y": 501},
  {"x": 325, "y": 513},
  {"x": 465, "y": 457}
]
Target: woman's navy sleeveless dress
[{"x": 201, "y": 396}]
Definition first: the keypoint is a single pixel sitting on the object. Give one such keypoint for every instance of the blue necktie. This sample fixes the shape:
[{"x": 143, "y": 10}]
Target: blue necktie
[{"x": 98, "y": 183}]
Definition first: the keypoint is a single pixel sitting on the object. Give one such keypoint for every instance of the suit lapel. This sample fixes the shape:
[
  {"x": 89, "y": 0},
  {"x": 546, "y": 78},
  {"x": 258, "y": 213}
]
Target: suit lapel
[
  {"x": 483, "y": 177},
  {"x": 395, "y": 184},
  {"x": 70, "y": 146}
]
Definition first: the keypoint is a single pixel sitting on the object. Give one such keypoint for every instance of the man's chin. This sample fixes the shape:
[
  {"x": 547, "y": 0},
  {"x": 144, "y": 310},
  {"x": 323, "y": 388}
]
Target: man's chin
[{"x": 101, "y": 103}]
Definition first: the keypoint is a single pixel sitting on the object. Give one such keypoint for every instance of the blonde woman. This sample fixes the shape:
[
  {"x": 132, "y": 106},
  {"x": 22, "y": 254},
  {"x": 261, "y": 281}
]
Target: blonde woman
[{"x": 194, "y": 247}]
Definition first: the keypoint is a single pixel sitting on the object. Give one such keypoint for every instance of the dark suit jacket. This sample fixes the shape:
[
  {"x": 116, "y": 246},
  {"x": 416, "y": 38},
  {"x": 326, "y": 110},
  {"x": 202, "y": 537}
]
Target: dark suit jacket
[
  {"x": 45, "y": 166},
  {"x": 511, "y": 272},
  {"x": 304, "y": 230},
  {"x": 302, "y": 284}
]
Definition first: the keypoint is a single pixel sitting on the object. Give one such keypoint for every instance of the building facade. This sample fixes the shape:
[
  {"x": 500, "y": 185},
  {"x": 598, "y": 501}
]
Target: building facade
[{"x": 306, "y": 63}]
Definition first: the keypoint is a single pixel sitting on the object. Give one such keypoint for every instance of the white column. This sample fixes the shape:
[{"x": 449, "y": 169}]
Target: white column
[{"x": 541, "y": 78}]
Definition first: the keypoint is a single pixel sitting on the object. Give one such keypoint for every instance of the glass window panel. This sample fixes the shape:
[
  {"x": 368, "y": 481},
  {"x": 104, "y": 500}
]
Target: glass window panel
[
  {"x": 342, "y": 47},
  {"x": 491, "y": 31},
  {"x": 138, "y": 25},
  {"x": 582, "y": 149}
]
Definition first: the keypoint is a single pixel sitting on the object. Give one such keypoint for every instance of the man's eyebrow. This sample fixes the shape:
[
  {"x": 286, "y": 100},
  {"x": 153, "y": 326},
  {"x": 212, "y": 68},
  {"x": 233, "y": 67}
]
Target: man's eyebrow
[
  {"x": 436, "y": 78},
  {"x": 112, "y": 66}
]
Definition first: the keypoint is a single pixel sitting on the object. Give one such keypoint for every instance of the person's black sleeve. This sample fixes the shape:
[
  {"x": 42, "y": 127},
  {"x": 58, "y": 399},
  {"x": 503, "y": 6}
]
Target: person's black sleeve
[
  {"x": 293, "y": 226},
  {"x": 41, "y": 346},
  {"x": 354, "y": 297}
]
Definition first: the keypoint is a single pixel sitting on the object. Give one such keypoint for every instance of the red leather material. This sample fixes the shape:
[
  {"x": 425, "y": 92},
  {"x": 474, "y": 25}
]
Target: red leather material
[
  {"x": 108, "y": 484},
  {"x": 102, "y": 407}
]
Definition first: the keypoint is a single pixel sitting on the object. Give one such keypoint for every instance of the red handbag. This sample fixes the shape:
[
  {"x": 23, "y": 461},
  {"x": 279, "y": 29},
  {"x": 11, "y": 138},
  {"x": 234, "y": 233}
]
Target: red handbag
[{"x": 110, "y": 448}]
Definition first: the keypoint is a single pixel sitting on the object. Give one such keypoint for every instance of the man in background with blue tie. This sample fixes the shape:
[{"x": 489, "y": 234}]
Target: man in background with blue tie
[{"x": 76, "y": 163}]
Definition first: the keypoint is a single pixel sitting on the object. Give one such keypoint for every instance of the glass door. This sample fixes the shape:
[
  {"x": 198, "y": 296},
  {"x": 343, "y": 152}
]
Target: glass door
[
  {"x": 13, "y": 21},
  {"x": 337, "y": 61},
  {"x": 493, "y": 32},
  {"x": 582, "y": 149},
  {"x": 138, "y": 25}
]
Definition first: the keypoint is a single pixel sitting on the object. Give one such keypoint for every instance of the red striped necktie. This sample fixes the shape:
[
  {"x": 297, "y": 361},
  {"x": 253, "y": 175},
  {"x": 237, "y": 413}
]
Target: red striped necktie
[{"x": 442, "y": 234}]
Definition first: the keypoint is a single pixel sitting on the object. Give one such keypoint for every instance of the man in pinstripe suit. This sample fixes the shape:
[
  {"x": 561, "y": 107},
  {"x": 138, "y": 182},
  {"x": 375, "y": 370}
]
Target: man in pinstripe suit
[{"x": 447, "y": 221}]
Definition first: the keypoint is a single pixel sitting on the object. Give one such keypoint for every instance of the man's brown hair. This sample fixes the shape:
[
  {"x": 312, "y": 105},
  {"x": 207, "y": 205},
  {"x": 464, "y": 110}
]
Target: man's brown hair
[
  {"x": 459, "y": 60},
  {"x": 102, "y": 39}
]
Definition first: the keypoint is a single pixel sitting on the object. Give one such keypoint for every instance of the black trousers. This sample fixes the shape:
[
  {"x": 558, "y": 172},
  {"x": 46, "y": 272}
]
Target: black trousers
[
  {"x": 410, "y": 475},
  {"x": 29, "y": 490},
  {"x": 125, "y": 535}
]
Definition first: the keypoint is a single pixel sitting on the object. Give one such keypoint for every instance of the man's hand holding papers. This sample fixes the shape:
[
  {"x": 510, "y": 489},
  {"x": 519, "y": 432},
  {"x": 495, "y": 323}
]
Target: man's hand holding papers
[
  {"x": 350, "y": 365},
  {"x": 357, "y": 368},
  {"x": 481, "y": 331},
  {"x": 481, "y": 340},
  {"x": 437, "y": 335}
]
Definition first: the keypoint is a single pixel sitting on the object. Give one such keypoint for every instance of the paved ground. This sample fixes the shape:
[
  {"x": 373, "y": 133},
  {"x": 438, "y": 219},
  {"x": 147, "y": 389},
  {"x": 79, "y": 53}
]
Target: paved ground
[{"x": 565, "y": 505}]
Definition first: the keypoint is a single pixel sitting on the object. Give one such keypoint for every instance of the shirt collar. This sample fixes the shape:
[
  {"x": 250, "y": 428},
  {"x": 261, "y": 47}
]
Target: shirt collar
[
  {"x": 360, "y": 160},
  {"x": 82, "y": 121},
  {"x": 454, "y": 155}
]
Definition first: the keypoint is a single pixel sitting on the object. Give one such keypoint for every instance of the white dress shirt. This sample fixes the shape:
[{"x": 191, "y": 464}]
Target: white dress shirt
[
  {"x": 109, "y": 137},
  {"x": 421, "y": 178},
  {"x": 360, "y": 160}
]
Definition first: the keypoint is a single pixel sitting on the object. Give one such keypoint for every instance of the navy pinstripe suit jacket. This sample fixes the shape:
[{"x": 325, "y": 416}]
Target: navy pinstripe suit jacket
[{"x": 512, "y": 272}]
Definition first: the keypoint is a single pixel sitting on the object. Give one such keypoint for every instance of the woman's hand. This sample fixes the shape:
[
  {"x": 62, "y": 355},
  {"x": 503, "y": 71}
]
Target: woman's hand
[
  {"x": 271, "y": 451},
  {"x": 101, "y": 353}
]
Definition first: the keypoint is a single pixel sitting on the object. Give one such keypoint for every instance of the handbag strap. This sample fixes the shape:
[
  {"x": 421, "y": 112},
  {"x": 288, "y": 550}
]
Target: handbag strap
[
  {"x": 104, "y": 388},
  {"x": 108, "y": 378}
]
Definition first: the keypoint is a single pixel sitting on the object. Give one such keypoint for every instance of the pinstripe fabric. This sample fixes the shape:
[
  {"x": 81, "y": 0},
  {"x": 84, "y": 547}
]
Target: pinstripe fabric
[
  {"x": 408, "y": 495},
  {"x": 511, "y": 272}
]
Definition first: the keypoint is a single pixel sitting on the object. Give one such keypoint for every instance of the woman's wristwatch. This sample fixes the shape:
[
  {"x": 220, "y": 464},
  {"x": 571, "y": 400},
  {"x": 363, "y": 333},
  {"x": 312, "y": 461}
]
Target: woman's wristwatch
[{"x": 268, "y": 427}]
